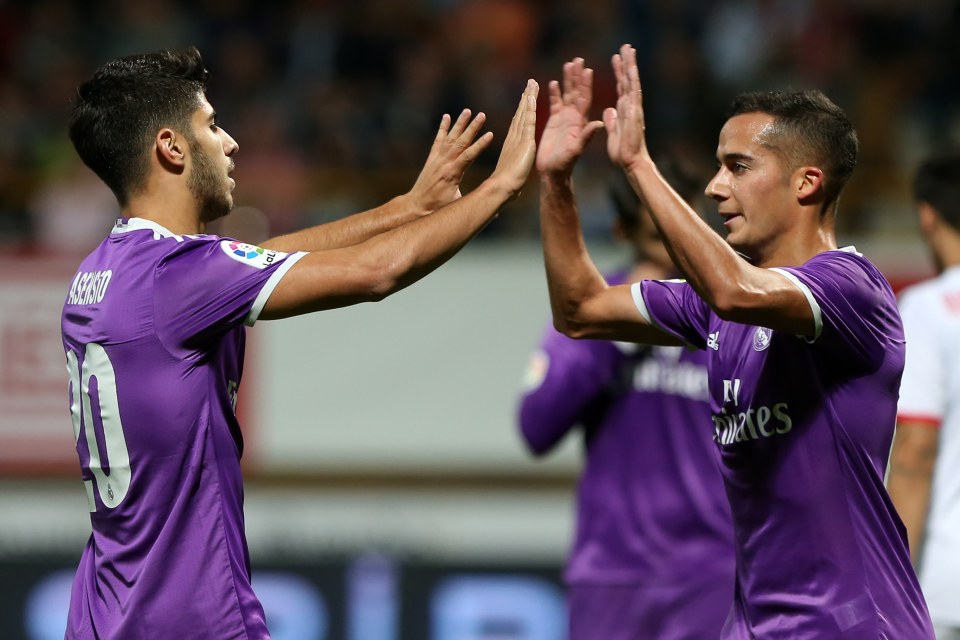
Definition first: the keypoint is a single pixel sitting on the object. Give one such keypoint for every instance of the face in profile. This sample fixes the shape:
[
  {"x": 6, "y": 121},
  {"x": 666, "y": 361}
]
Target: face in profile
[
  {"x": 751, "y": 187},
  {"x": 210, "y": 186},
  {"x": 211, "y": 150}
]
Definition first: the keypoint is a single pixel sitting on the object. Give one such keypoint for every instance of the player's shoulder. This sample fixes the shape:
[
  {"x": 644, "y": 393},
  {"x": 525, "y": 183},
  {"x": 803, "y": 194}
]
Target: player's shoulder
[
  {"x": 850, "y": 271},
  {"x": 843, "y": 259},
  {"x": 169, "y": 248},
  {"x": 154, "y": 237}
]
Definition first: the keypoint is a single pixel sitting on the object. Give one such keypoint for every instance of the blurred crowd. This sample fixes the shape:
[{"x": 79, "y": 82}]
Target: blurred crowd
[{"x": 335, "y": 103}]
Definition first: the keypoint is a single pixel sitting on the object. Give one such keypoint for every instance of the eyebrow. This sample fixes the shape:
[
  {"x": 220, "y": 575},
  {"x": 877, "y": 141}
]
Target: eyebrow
[{"x": 734, "y": 156}]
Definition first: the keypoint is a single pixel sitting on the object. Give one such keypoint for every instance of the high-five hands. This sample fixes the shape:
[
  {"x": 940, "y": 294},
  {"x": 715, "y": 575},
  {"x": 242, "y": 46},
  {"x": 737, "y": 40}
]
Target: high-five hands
[
  {"x": 568, "y": 130},
  {"x": 519, "y": 146},
  {"x": 626, "y": 140},
  {"x": 456, "y": 146},
  {"x": 454, "y": 150}
]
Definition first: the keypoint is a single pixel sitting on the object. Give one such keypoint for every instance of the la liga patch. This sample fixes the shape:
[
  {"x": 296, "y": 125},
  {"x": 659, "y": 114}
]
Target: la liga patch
[{"x": 251, "y": 254}]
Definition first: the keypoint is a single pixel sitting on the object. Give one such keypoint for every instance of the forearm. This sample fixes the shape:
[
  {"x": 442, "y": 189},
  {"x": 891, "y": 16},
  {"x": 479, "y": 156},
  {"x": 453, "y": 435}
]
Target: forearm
[
  {"x": 910, "y": 491},
  {"x": 707, "y": 262},
  {"x": 910, "y": 481},
  {"x": 546, "y": 415},
  {"x": 386, "y": 263},
  {"x": 540, "y": 425},
  {"x": 572, "y": 277},
  {"x": 423, "y": 245},
  {"x": 351, "y": 230}
]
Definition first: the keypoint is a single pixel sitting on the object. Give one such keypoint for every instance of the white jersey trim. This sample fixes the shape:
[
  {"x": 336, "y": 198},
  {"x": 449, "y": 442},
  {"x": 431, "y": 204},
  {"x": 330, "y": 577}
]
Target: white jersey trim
[
  {"x": 269, "y": 286},
  {"x": 139, "y": 224},
  {"x": 814, "y": 307},
  {"x": 638, "y": 300},
  {"x": 636, "y": 291}
]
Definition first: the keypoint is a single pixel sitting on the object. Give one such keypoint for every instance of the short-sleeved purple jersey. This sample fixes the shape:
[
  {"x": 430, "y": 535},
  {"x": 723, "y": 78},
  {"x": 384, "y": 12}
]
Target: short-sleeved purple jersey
[
  {"x": 804, "y": 428},
  {"x": 651, "y": 511},
  {"x": 153, "y": 328}
]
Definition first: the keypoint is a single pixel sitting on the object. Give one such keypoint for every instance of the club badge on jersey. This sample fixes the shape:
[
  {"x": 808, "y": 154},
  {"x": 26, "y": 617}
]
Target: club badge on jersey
[{"x": 250, "y": 254}]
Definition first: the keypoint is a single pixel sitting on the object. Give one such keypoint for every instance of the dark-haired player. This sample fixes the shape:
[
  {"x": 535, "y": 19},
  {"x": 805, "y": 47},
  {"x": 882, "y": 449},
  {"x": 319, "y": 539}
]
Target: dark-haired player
[
  {"x": 153, "y": 327},
  {"x": 653, "y": 550},
  {"x": 804, "y": 345}
]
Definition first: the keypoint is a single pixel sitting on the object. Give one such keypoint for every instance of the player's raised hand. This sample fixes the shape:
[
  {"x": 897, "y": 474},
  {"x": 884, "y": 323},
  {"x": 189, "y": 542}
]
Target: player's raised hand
[
  {"x": 569, "y": 129},
  {"x": 626, "y": 139},
  {"x": 519, "y": 146},
  {"x": 454, "y": 149}
]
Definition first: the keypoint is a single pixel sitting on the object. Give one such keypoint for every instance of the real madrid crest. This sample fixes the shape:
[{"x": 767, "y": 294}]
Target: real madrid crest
[{"x": 761, "y": 339}]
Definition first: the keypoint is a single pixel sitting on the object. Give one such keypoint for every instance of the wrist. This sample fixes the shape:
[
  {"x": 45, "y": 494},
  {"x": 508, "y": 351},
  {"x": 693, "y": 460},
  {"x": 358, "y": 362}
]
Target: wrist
[
  {"x": 556, "y": 183},
  {"x": 562, "y": 178},
  {"x": 641, "y": 163},
  {"x": 498, "y": 188},
  {"x": 408, "y": 202}
]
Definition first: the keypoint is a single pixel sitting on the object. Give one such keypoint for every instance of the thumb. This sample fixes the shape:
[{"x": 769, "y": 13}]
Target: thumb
[
  {"x": 590, "y": 129},
  {"x": 610, "y": 119}
]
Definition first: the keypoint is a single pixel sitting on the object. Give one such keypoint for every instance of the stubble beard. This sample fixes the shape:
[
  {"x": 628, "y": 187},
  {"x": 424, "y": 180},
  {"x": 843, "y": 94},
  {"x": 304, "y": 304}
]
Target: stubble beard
[{"x": 208, "y": 187}]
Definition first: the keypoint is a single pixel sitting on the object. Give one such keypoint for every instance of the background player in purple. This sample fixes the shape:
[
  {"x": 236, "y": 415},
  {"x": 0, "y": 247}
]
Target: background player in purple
[
  {"x": 653, "y": 550},
  {"x": 804, "y": 344},
  {"x": 153, "y": 327},
  {"x": 924, "y": 480}
]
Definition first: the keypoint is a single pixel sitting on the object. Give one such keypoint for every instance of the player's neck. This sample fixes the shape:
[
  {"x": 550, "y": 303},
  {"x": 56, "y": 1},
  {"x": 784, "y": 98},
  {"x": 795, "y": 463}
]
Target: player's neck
[
  {"x": 173, "y": 210},
  {"x": 797, "y": 246}
]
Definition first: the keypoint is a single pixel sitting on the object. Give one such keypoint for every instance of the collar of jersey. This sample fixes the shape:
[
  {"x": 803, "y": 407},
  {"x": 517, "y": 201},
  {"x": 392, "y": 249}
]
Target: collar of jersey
[{"x": 139, "y": 224}]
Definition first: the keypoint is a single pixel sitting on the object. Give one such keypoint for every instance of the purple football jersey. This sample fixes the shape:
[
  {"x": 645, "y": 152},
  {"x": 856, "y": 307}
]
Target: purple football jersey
[
  {"x": 153, "y": 328},
  {"x": 652, "y": 516},
  {"x": 804, "y": 427}
]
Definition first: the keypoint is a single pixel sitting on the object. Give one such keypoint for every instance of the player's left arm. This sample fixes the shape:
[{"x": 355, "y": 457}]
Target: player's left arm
[
  {"x": 736, "y": 290},
  {"x": 454, "y": 149},
  {"x": 912, "y": 462}
]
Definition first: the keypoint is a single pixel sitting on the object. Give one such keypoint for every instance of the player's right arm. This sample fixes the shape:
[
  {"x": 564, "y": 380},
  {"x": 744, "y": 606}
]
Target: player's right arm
[
  {"x": 920, "y": 412},
  {"x": 583, "y": 305},
  {"x": 565, "y": 385},
  {"x": 912, "y": 461},
  {"x": 390, "y": 261},
  {"x": 454, "y": 150}
]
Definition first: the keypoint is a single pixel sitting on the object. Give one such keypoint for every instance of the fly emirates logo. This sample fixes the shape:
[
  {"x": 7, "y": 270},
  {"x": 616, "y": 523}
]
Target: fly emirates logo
[{"x": 733, "y": 425}]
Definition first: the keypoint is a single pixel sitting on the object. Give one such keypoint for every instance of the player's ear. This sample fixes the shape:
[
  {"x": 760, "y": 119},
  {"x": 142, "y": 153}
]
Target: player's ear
[
  {"x": 170, "y": 148},
  {"x": 809, "y": 183}
]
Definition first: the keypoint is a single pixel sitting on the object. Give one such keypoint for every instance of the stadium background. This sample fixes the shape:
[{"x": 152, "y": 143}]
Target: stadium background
[{"x": 388, "y": 496}]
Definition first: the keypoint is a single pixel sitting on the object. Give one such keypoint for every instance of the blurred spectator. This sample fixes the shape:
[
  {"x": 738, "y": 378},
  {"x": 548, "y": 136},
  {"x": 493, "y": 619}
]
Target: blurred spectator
[{"x": 363, "y": 80}]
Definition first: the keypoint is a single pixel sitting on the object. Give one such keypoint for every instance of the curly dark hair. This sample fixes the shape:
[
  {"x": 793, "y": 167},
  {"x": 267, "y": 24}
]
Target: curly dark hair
[{"x": 118, "y": 111}]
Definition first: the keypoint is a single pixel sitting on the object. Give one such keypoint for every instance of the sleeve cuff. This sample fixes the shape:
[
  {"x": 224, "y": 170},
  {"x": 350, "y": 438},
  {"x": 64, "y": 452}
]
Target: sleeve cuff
[
  {"x": 814, "y": 307},
  {"x": 918, "y": 418},
  {"x": 637, "y": 294},
  {"x": 269, "y": 286}
]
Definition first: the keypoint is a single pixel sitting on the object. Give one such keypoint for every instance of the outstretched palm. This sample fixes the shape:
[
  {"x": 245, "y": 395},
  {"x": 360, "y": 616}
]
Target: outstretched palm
[
  {"x": 626, "y": 140},
  {"x": 568, "y": 129}
]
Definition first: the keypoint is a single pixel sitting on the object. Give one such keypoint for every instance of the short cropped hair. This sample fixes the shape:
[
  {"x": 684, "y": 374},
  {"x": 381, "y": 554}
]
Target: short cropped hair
[
  {"x": 118, "y": 111},
  {"x": 626, "y": 203},
  {"x": 937, "y": 182},
  {"x": 809, "y": 129}
]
